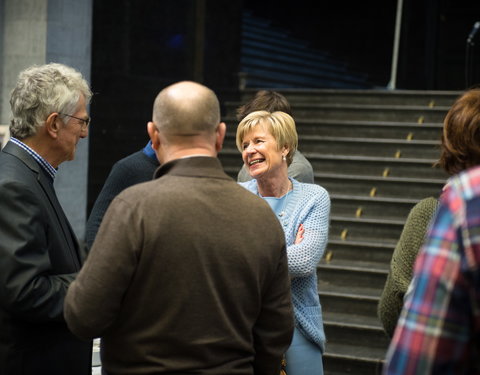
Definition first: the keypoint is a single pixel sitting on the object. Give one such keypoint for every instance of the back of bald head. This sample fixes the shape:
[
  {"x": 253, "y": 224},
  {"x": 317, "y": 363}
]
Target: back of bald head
[{"x": 186, "y": 108}]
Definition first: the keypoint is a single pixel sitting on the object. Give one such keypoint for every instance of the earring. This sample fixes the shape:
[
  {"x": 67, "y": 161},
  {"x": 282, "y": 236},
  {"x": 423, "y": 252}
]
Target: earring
[{"x": 284, "y": 157}]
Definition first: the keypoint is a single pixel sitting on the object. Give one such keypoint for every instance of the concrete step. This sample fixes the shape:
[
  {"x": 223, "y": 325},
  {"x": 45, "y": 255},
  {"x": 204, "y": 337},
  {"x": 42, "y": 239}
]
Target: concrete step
[
  {"x": 378, "y": 147},
  {"x": 337, "y": 275},
  {"x": 369, "y": 129},
  {"x": 365, "y": 112},
  {"x": 385, "y": 167},
  {"x": 370, "y": 186},
  {"x": 424, "y": 98},
  {"x": 346, "y": 359},
  {"x": 372, "y": 112},
  {"x": 372, "y": 230},
  {"x": 349, "y": 307},
  {"x": 329, "y": 285},
  {"x": 363, "y": 129},
  {"x": 371, "y": 207},
  {"x": 339, "y": 332},
  {"x": 377, "y": 253},
  {"x": 382, "y": 147}
]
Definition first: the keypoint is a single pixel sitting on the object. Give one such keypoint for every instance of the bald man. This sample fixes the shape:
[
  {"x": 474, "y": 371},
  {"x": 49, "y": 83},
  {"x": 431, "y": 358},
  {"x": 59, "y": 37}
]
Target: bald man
[{"x": 188, "y": 273}]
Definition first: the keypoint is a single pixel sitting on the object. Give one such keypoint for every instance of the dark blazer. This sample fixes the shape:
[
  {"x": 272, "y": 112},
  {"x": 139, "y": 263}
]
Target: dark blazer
[
  {"x": 39, "y": 258},
  {"x": 188, "y": 275}
]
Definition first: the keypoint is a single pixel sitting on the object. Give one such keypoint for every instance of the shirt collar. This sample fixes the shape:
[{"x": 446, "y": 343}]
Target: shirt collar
[
  {"x": 149, "y": 151},
  {"x": 43, "y": 163}
]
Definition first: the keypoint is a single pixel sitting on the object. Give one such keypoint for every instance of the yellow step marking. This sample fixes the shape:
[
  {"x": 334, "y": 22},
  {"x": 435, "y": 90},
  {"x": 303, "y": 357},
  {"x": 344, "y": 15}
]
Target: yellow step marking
[{"x": 359, "y": 212}]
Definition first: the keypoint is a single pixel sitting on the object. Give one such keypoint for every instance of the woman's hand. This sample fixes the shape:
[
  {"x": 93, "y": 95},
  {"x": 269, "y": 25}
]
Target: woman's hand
[{"x": 300, "y": 233}]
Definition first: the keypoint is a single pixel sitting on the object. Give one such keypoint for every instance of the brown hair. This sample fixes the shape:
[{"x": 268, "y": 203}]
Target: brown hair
[
  {"x": 460, "y": 147},
  {"x": 264, "y": 100}
]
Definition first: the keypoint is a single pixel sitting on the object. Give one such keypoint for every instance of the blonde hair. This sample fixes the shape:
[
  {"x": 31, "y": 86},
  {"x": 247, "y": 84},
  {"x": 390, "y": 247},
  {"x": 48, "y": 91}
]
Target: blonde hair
[{"x": 280, "y": 124}]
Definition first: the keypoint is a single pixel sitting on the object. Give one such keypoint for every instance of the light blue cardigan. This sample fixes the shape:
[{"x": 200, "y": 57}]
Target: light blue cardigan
[{"x": 307, "y": 204}]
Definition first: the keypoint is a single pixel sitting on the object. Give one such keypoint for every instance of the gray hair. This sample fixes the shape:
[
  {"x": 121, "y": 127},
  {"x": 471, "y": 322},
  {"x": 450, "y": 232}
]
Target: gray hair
[{"x": 42, "y": 90}]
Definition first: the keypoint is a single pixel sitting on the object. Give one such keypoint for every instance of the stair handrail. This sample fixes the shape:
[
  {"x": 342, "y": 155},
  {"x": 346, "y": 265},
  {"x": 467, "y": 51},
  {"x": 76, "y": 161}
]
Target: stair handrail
[
  {"x": 396, "y": 43},
  {"x": 469, "y": 55}
]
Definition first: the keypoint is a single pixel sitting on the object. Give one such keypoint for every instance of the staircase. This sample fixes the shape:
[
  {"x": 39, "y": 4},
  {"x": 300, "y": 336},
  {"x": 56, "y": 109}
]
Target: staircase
[
  {"x": 272, "y": 57},
  {"x": 373, "y": 151}
]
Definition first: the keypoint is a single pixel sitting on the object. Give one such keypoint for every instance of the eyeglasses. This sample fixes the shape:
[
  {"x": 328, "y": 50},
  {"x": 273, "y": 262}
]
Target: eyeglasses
[{"x": 85, "y": 122}]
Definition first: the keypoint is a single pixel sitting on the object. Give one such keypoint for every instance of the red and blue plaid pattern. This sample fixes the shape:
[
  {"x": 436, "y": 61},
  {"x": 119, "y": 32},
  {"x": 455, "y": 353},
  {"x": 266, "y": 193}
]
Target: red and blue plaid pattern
[{"x": 438, "y": 331}]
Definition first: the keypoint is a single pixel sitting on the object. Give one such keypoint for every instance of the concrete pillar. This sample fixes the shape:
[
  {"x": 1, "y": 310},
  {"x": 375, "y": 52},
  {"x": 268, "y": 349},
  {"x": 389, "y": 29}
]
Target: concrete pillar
[{"x": 43, "y": 31}]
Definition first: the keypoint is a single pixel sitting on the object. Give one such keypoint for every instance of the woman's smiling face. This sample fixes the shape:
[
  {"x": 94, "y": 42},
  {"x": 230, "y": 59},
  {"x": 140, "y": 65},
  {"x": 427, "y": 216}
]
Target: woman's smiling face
[{"x": 260, "y": 152}]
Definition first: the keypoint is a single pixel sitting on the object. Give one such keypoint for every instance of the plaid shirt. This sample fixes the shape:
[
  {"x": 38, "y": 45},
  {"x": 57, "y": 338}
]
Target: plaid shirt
[{"x": 438, "y": 331}]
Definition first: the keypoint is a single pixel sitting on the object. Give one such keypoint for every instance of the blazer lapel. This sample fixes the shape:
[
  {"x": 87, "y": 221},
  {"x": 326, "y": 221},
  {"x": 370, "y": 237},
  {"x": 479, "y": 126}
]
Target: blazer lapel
[
  {"x": 70, "y": 238},
  {"x": 46, "y": 185}
]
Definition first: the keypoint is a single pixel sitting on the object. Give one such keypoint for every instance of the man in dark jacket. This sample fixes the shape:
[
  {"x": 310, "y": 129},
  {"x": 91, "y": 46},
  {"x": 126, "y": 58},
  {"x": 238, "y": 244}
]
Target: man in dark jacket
[{"x": 39, "y": 253}]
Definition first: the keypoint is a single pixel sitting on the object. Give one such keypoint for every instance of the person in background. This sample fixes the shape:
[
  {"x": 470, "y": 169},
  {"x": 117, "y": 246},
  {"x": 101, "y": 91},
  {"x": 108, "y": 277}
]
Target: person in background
[
  {"x": 401, "y": 264},
  {"x": 459, "y": 151},
  {"x": 268, "y": 142},
  {"x": 438, "y": 330},
  {"x": 178, "y": 280},
  {"x": 39, "y": 253},
  {"x": 132, "y": 169},
  {"x": 271, "y": 101}
]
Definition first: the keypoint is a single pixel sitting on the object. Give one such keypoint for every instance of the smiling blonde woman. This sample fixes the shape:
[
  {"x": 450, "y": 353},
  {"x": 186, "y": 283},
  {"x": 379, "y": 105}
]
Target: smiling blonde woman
[{"x": 268, "y": 142}]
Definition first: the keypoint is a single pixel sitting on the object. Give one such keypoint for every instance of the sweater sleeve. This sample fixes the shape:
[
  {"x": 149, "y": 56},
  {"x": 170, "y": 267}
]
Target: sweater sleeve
[
  {"x": 106, "y": 274},
  {"x": 303, "y": 258},
  {"x": 403, "y": 259}
]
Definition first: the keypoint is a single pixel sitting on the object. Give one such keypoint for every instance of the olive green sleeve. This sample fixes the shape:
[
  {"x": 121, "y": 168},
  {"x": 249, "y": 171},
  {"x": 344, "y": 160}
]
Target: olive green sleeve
[{"x": 403, "y": 260}]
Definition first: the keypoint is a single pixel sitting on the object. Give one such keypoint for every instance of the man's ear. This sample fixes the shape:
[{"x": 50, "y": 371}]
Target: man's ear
[
  {"x": 153, "y": 134},
  {"x": 220, "y": 136},
  {"x": 51, "y": 125}
]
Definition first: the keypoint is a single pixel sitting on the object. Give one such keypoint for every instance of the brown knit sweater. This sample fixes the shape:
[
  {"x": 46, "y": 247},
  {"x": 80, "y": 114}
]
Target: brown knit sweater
[{"x": 403, "y": 260}]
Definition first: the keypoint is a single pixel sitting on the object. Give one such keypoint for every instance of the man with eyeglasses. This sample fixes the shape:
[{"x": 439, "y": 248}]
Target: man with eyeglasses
[{"x": 39, "y": 253}]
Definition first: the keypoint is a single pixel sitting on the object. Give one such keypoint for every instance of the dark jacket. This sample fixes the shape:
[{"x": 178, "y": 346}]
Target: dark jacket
[{"x": 39, "y": 257}]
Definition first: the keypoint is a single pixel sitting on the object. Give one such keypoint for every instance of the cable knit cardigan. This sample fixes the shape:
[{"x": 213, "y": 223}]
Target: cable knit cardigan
[
  {"x": 403, "y": 260},
  {"x": 307, "y": 204}
]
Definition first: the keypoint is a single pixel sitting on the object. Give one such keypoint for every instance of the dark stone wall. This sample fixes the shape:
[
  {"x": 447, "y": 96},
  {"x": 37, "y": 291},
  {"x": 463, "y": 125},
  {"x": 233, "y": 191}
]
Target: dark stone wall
[
  {"x": 433, "y": 45},
  {"x": 361, "y": 33},
  {"x": 141, "y": 46}
]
